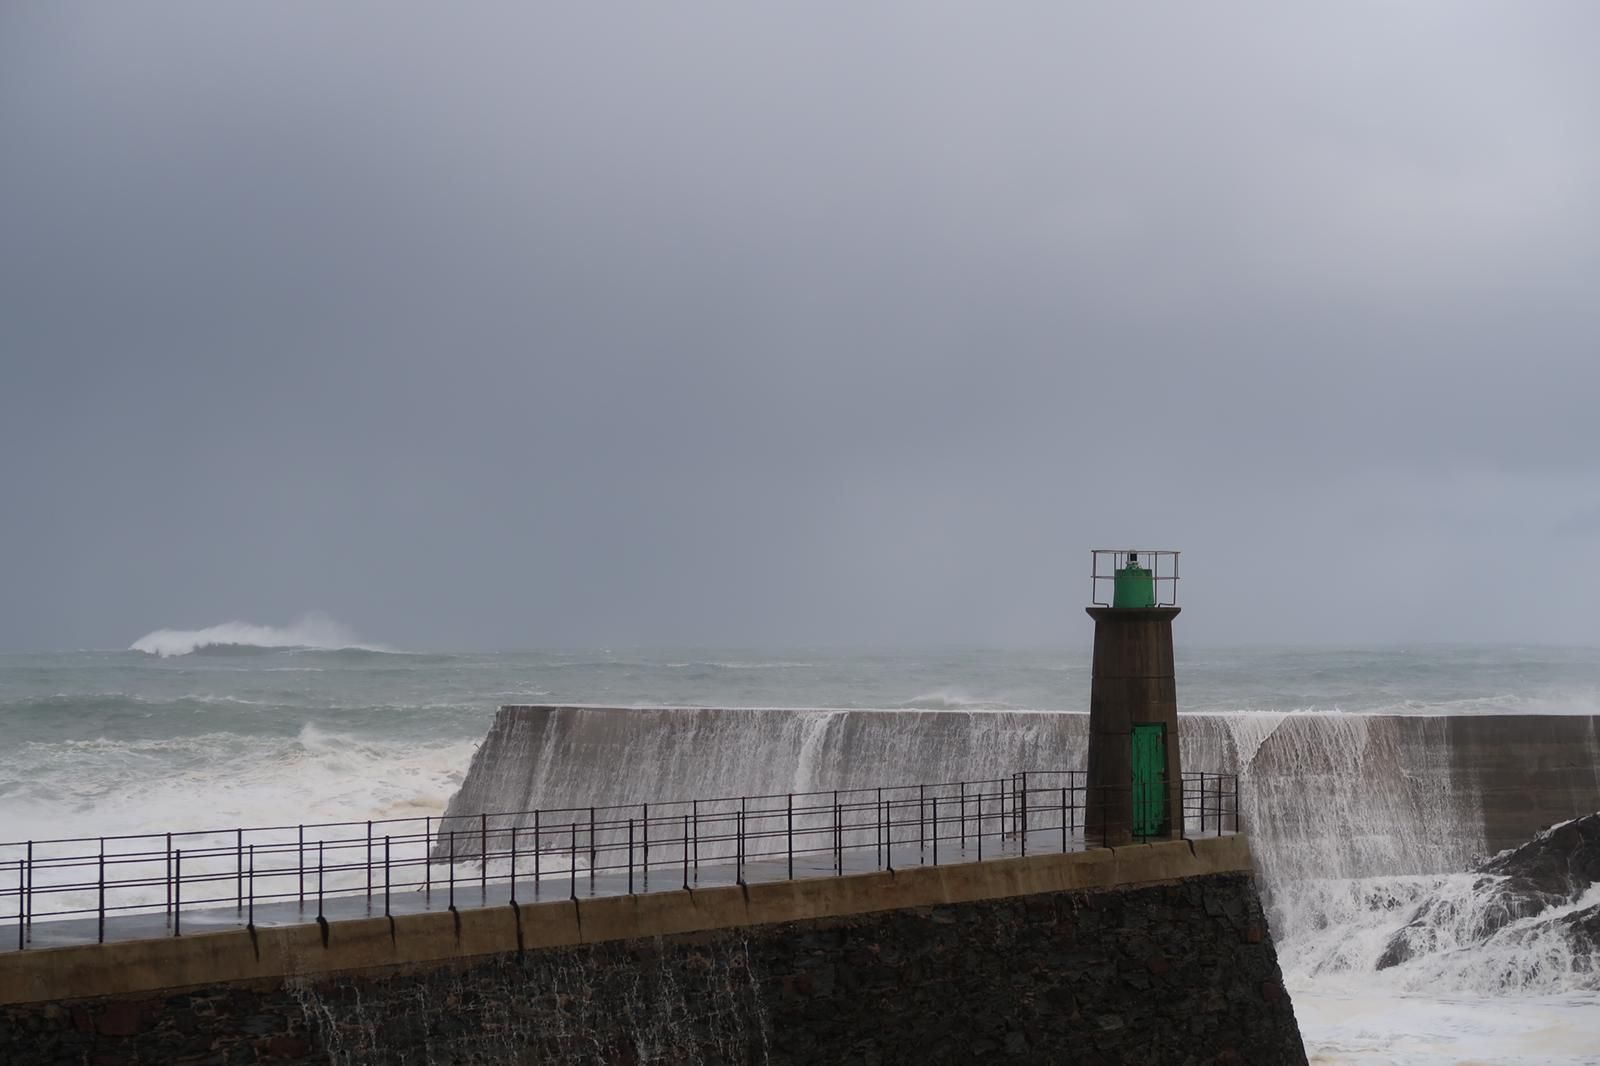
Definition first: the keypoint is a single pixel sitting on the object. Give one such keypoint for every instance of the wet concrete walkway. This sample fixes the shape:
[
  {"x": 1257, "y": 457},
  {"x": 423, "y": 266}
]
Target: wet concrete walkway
[{"x": 472, "y": 889}]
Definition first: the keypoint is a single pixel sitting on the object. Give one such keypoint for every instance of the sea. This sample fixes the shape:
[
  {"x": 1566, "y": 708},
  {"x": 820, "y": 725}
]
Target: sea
[{"x": 242, "y": 724}]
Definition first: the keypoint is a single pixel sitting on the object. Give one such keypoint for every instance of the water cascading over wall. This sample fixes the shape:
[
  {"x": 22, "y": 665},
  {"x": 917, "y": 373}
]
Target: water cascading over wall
[{"x": 1322, "y": 795}]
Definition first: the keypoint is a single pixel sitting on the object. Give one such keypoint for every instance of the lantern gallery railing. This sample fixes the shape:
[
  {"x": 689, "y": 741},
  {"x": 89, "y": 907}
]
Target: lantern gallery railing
[
  {"x": 1139, "y": 577},
  {"x": 172, "y": 883}
]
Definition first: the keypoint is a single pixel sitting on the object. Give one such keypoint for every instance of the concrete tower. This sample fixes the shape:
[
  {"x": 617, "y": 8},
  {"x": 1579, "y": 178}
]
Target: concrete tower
[{"x": 1135, "y": 780}]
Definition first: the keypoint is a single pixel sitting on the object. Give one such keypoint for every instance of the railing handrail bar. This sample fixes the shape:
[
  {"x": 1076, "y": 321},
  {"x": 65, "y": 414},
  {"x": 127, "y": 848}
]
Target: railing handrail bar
[{"x": 763, "y": 829}]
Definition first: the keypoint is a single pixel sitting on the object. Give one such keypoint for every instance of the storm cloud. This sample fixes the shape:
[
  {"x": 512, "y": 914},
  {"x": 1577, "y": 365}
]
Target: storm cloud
[{"x": 538, "y": 325}]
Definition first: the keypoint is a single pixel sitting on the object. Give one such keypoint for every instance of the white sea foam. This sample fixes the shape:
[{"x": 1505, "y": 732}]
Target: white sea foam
[
  {"x": 213, "y": 781},
  {"x": 1575, "y": 702},
  {"x": 1365, "y": 1026},
  {"x": 108, "y": 786},
  {"x": 1525, "y": 994},
  {"x": 712, "y": 664},
  {"x": 311, "y": 631},
  {"x": 951, "y": 700}
]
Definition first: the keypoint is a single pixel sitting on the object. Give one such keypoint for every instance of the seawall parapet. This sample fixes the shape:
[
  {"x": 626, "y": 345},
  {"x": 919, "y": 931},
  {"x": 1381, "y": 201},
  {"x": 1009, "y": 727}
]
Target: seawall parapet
[{"x": 1408, "y": 793}]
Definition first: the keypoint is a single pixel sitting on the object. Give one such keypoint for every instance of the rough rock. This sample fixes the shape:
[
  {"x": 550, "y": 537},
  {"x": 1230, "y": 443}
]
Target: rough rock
[
  {"x": 1564, "y": 860},
  {"x": 1553, "y": 869}
]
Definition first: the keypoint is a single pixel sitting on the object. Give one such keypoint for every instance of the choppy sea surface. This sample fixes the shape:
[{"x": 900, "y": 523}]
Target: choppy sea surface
[{"x": 242, "y": 725}]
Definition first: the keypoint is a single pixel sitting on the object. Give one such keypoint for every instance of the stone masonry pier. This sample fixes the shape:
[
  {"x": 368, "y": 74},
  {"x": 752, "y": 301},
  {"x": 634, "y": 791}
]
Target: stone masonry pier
[{"x": 1150, "y": 952}]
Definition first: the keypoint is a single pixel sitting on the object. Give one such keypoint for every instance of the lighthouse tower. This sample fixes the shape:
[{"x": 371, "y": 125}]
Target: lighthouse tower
[{"x": 1135, "y": 780}]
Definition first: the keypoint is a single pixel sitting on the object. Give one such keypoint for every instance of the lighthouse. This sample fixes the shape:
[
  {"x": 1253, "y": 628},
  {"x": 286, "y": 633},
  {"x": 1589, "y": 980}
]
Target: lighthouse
[{"x": 1135, "y": 780}]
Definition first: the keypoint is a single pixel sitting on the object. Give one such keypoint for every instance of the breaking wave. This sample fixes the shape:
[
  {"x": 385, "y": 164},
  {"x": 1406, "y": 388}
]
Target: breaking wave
[
  {"x": 709, "y": 664},
  {"x": 314, "y": 773},
  {"x": 951, "y": 700},
  {"x": 313, "y": 631}
]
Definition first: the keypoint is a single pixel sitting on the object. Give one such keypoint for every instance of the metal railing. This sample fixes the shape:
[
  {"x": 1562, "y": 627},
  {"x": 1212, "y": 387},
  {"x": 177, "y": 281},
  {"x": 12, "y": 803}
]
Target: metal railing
[
  {"x": 1163, "y": 567},
  {"x": 300, "y": 871}
]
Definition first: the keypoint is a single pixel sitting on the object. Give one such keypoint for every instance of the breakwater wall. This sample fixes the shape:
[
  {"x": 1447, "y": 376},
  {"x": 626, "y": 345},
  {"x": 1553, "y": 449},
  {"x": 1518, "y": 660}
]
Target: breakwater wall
[
  {"x": 1154, "y": 952},
  {"x": 1322, "y": 795}
]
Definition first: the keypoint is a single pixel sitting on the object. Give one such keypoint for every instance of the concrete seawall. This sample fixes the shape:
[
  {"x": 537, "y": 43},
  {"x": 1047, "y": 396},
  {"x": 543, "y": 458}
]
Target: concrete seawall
[
  {"x": 1525, "y": 771},
  {"x": 1321, "y": 794},
  {"x": 1087, "y": 956}
]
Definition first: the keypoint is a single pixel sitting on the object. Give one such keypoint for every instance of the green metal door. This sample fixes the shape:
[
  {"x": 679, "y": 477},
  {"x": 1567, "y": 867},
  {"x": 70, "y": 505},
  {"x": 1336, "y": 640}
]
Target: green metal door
[{"x": 1149, "y": 779}]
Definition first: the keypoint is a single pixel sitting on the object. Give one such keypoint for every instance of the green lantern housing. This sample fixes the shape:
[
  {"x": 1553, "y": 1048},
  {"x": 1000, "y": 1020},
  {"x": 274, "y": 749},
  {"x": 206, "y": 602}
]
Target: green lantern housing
[{"x": 1133, "y": 585}]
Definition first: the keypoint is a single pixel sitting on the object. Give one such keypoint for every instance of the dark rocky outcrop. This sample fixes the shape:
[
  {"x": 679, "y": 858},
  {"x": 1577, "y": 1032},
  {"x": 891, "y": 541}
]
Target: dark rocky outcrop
[
  {"x": 1564, "y": 860},
  {"x": 1553, "y": 869},
  {"x": 1582, "y": 929}
]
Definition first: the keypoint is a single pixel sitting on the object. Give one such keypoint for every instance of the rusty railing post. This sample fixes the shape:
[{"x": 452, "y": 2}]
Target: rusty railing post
[
  {"x": 922, "y": 812},
  {"x": 877, "y": 817},
  {"x": 963, "y": 818},
  {"x": 1022, "y": 806},
  {"x": 100, "y": 907},
  {"x": 888, "y": 832},
  {"x": 839, "y": 839},
  {"x": 1072, "y": 782}
]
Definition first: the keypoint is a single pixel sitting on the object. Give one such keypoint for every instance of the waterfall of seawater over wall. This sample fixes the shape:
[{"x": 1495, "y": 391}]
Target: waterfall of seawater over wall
[
  {"x": 1353, "y": 818},
  {"x": 601, "y": 1004},
  {"x": 1322, "y": 795},
  {"x": 1340, "y": 796},
  {"x": 575, "y": 757}
]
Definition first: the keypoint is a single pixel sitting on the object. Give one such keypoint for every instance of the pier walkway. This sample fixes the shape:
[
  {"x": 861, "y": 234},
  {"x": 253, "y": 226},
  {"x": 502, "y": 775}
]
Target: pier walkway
[{"x": 87, "y": 891}]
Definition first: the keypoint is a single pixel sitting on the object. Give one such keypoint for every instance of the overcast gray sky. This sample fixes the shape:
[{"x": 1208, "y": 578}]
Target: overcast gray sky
[{"x": 537, "y": 325}]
